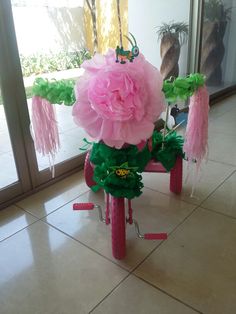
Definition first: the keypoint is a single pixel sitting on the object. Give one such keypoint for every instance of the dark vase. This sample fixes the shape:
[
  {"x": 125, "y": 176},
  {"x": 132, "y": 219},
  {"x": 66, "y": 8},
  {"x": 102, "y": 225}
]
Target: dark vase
[
  {"x": 170, "y": 52},
  {"x": 213, "y": 51}
]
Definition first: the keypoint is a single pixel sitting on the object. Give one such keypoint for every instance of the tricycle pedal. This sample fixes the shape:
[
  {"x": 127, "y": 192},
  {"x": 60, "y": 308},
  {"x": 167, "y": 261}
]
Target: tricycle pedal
[
  {"x": 149, "y": 236},
  {"x": 83, "y": 206},
  {"x": 91, "y": 206},
  {"x": 155, "y": 236}
]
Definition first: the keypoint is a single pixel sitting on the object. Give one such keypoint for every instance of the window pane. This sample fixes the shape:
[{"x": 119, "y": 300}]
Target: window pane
[
  {"x": 218, "y": 54},
  {"x": 145, "y": 20},
  {"x": 52, "y": 47},
  {"x": 8, "y": 173},
  {"x": 161, "y": 30}
]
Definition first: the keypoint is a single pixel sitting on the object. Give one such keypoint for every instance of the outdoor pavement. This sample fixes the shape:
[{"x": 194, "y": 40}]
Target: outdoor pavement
[{"x": 71, "y": 139}]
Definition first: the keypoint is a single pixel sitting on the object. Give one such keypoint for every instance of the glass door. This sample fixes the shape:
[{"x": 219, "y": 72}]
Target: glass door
[
  {"x": 10, "y": 184},
  {"x": 22, "y": 169},
  {"x": 9, "y": 173},
  {"x": 14, "y": 172},
  {"x": 53, "y": 47},
  {"x": 164, "y": 36}
]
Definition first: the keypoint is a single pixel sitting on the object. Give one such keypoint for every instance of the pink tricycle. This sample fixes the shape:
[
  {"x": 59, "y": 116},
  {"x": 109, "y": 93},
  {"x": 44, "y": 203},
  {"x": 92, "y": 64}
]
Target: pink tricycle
[
  {"x": 117, "y": 104},
  {"x": 116, "y": 212}
]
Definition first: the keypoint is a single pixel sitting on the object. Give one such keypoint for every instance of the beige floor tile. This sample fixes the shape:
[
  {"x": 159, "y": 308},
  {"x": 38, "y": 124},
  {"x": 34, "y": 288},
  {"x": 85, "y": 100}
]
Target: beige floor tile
[
  {"x": 55, "y": 196},
  {"x": 154, "y": 211},
  {"x": 44, "y": 271},
  {"x": 210, "y": 176},
  {"x": 224, "y": 198},
  {"x": 222, "y": 148},
  {"x": 220, "y": 108},
  {"x": 197, "y": 263},
  {"x": 134, "y": 296},
  {"x": 226, "y": 124},
  {"x": 13, "y": 219}
]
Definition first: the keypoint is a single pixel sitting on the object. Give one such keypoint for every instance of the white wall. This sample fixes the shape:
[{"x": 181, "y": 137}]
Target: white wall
[
  {"x": 49, "y": 29},
  {"x": 145, "y": 16}
]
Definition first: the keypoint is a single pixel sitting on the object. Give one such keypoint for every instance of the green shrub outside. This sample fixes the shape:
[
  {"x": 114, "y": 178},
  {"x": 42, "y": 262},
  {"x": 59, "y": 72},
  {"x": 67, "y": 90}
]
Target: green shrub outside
[{"x": 46, "y": 63}]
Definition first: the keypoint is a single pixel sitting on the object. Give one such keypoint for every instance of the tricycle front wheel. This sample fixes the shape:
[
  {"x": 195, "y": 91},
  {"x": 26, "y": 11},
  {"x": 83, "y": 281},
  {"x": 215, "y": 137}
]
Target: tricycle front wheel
[
  {"x": 176, "y": 176},
  {"x": 118, "y": 223}
]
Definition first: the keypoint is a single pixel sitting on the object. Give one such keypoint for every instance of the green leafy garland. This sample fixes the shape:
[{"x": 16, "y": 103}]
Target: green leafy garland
[
  {"x": 173, "y": 145},
  {"x": 56, "y": 92},
  {"x": 109, "y": 162},
  {"x": 182, "y": 87},
  {"x": 117, "y": 171}
]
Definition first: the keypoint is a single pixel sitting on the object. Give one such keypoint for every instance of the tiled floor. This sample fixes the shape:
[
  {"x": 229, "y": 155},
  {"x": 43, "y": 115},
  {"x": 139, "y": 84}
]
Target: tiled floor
[{"x": 54, "y": 260}]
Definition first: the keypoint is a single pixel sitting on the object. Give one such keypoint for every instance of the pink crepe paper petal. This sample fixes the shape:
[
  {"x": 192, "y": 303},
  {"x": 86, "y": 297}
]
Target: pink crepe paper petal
[{"x": 118, "y": 103}]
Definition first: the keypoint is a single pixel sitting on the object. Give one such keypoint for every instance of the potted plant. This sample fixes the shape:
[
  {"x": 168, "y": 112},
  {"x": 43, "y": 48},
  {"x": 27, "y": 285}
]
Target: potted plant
[
  {"x": 172, "y": 36},
  {"x": 216, "y": 17}
]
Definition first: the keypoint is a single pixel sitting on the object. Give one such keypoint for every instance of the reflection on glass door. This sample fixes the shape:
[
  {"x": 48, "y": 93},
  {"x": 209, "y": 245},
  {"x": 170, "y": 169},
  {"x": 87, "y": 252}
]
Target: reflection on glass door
[
  {"x": 7, "y": 162},
  {"x": 218, "y": 51},
  {"x": 163, "y": 35},
  {"x": 53, "y": 47}
]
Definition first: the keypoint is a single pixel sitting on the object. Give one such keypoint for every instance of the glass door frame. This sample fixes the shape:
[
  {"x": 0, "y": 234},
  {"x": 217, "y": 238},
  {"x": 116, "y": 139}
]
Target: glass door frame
[
  {"x": 195, "y": 35},
  {"x": 17, "y": 115},
  {"x": 10, "y": 89}
]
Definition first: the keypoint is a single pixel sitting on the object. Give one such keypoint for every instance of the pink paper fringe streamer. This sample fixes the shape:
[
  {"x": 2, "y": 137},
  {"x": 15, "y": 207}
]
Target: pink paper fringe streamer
[
  {"x": 196, "y": 137},
  {"x": 46, "y": 137}
]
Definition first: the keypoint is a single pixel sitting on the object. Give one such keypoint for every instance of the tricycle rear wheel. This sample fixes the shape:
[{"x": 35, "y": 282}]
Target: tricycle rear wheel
[{"x": 88, "y": 171}]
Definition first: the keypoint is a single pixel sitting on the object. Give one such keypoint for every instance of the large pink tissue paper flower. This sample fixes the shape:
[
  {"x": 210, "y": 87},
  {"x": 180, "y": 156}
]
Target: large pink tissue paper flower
[{"x": 118, "y": 103}]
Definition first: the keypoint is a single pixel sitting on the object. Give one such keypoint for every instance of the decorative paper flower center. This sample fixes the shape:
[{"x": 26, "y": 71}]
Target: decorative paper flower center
[
  {"x": 115, "y": 95},
  {"x": 118, "y": 103}
]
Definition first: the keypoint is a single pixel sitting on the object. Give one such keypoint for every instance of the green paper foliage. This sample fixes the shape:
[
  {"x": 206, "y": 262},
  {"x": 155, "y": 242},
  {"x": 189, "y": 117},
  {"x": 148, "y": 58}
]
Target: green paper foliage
[
  {"x": 107, "y": 160},
  {"x": 130, "y": 162},
  {"x": 62, "y": 91},
  {"x": 56, "y": 92},
  {"x": 128, "y": 187},
  {"x": 173, "y": 147},
  {"x": 182, "y": 88},
  {"x": 115, "y": 157}
]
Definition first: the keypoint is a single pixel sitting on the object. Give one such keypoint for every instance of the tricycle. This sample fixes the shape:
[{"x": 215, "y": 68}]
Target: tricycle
[{"x": 118, "y": 103}]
